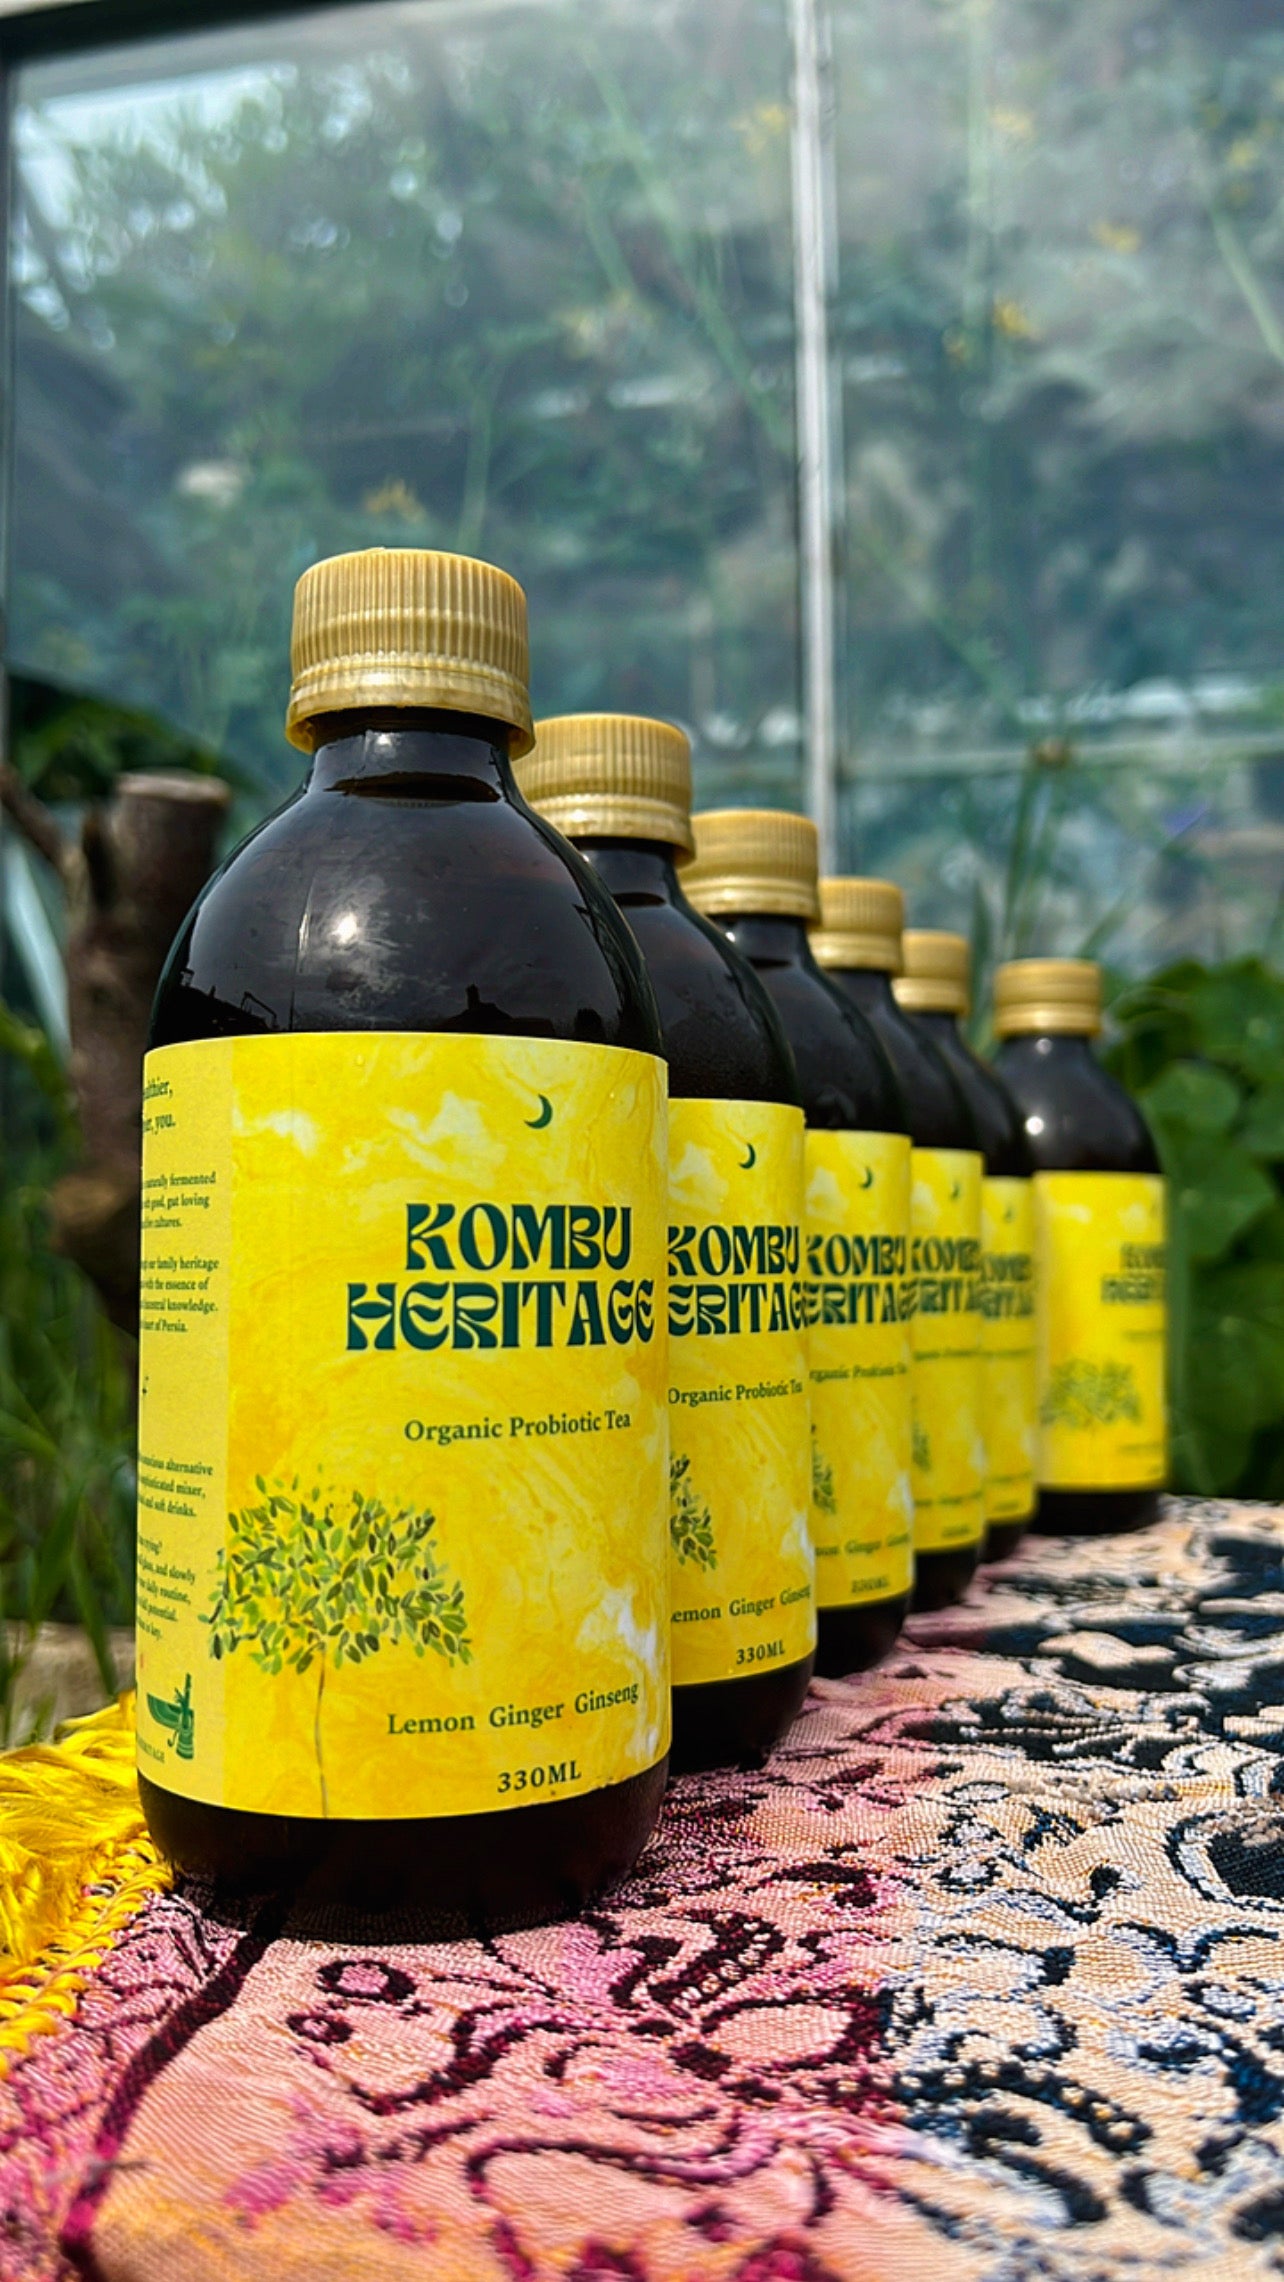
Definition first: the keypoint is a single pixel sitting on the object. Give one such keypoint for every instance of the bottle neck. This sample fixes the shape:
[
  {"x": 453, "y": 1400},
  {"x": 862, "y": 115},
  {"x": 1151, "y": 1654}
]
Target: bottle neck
[
  {"x": 425, "y": 755},
  {"x": 1067, "y": 1045},
  {"x": 937, "y": 1021},
  {"x": 870, "y": 987},
  {"x": 635, "y": 871},
  {"x": 767, "y": 938}
]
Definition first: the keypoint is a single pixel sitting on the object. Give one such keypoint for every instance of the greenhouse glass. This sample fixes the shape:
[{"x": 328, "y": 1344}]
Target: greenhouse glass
[
  {"x": 1059, "y": 323},
  {"x": 520, "y": 279},
  {"x": 510, "y": 280}
]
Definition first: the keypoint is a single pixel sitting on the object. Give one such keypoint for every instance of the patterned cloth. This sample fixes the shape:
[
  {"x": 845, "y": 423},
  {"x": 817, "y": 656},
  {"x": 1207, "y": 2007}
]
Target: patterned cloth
[{"x": 981, "y": 1978}]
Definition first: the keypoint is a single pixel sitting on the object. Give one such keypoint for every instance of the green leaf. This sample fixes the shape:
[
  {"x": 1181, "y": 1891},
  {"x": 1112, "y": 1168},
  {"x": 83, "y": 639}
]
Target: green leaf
[
  {"x": 27, "y": 1438},
  {"x": 1263, "y": 1129},
  {"x": 1192, "y": 1095},
  {"x": 1237, "y": 1329},
  {"x": 29, "y": 1044},
  {"x": 91, "y": 1616},
  {"x": 1265, "y": 1239},
  {"x": 55, "y": 1554},
  {"x": 1217, "y": 1190},
  {"x": 1239, "y": 1012},
  {"x": 1156, "y": 1024},
  {"x": 1208, "y": 1458}
]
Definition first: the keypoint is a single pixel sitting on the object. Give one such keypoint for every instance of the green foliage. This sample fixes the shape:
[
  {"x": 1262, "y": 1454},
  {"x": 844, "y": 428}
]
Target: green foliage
[
  {"x": 1202, "y": 1048},
  {"x": 314, "y": 1580},
  {"x": 519, "y": 288},
  {"x": 1084, "y": 1394},
  {"x": 518, "y": 281},
  {"x": 823, "y": 1494},
  {"x": 690, "y": 1521},
  {"x": 66, "y": 1392},
  {"x": 70, "y": 747},
  {"x": 300, "y": 1581}
]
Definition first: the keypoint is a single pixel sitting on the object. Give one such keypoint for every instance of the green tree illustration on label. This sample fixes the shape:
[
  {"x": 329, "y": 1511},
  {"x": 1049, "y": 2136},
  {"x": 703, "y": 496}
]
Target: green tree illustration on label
[
  {"x": 315, "y": 1580},
  {"x": 690, "y": 1521},
  {"x": 823, "y": 1493},
  {"x": 922, "y": 1447},
  {"x": 1084, "y": 1394}
]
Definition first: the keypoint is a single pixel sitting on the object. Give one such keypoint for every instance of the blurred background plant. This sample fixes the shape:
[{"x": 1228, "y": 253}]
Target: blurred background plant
[
  {"x": 66, "y": 1391},
  {"x": 1202, "y": 1049},
  {"x": 110, "y": 822},
  {"x": 541, "y": 259}
]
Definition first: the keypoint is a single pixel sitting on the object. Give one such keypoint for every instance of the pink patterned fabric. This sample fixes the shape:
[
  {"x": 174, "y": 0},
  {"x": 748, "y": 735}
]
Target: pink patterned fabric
[{"x": 982, "y": 1977}]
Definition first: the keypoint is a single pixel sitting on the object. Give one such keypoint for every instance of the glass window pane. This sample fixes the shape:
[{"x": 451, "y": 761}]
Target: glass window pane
[
  {"x": 1060, "y": 326},
  {"x": 513, "y": 280}
]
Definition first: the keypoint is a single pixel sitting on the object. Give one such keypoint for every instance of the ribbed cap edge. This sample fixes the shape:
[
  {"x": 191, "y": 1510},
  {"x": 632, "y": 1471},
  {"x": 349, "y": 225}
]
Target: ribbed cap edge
[
  {"x": 612, "y": 776},
  {"x": 1056, "y": 996},
  {"x": 754, "y": 860},
  {"x": 406, "y": 627}
]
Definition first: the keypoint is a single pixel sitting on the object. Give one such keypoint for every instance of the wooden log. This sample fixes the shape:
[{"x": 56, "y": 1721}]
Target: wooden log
[{"x": 142, "y": 859}]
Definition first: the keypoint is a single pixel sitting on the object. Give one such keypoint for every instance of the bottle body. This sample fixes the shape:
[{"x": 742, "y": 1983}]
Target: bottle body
[
  {"x": 857, "y": 1231},
  {"x": 1099, "y": 1216},
  {"x": 949, "y": 1467},
  {"x": 1008, "y": 1363},
  {"x": 418, "y": 1238},
  {"x": 742, "y": 1565}
]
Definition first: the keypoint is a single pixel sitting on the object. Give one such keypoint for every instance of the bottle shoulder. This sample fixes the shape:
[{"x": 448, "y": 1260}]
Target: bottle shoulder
[
  {"x": 846, "y": 1081},
  {"x": 361, "y": 911},
  {"x": 939, "y": 1116},
  {"x": 722, "y": 1036},
  {"x": 994, "y": 1113},
  {"x": 1077, "y": 1117}
]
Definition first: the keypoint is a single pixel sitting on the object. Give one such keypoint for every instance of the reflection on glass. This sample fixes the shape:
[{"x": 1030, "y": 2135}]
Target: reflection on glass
[
  {"x": 513, "y": 280},
  {"x": 1060, "y": 322},
  {"x": 516, "y": 279}
]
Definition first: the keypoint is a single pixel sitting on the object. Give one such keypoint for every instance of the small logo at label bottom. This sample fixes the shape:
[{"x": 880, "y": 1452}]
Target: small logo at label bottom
[{"x": 177, "y": 1714}]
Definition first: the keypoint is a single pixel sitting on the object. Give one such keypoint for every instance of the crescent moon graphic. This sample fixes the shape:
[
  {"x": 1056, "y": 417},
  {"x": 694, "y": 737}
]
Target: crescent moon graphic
[
  {"x": 747, "y": 1163},
  {"x": 955, "y": 1192},
  {"x": 545, "y": 1114},
  {"x": 868, "y": 1181}
]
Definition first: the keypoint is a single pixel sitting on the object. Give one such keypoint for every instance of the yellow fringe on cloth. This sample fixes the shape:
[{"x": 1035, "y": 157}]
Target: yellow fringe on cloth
[{"x": 75, "y": 1865}]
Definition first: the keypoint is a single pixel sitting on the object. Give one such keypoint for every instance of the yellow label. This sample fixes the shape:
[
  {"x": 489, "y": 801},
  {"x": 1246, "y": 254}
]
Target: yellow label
[
  {"x": 403, "y": 1432},
  {"x": 949, "y": 1457},
  {"x": 743, "y": 1572},
  {"x": 1009, "y": 1389},
  {"x": 858, "y": 1311},
  {"x": 1102, "y": 1330}
]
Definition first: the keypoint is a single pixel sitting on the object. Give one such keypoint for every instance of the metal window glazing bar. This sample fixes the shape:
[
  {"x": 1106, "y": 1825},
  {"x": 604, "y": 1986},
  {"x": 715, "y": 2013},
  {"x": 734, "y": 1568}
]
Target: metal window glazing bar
[{"x": 817, "y": 408}]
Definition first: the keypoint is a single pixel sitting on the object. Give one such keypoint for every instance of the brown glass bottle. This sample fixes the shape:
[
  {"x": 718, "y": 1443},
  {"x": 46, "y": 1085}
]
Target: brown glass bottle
[
  {"x": 407, "y": 887},
  {"x": 1077, "y": 1119},
  {"x": 722, "y": 1041},
  {"x": 937, "y": 1117},
  {"x": 845, "y": 1084},
  {"x": 928, "y": 974}
]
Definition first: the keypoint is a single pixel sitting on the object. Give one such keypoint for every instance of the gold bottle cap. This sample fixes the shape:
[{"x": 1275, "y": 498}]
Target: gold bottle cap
[
  {"x": 403, "y": 627},
  {"x": 611, "y": 776},
  {"x": 937, "y": 975},
  {"x": 860, "y": 925},
  {"x": 754, "y": 859},
  {"x": 1059, "y": 996}
]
